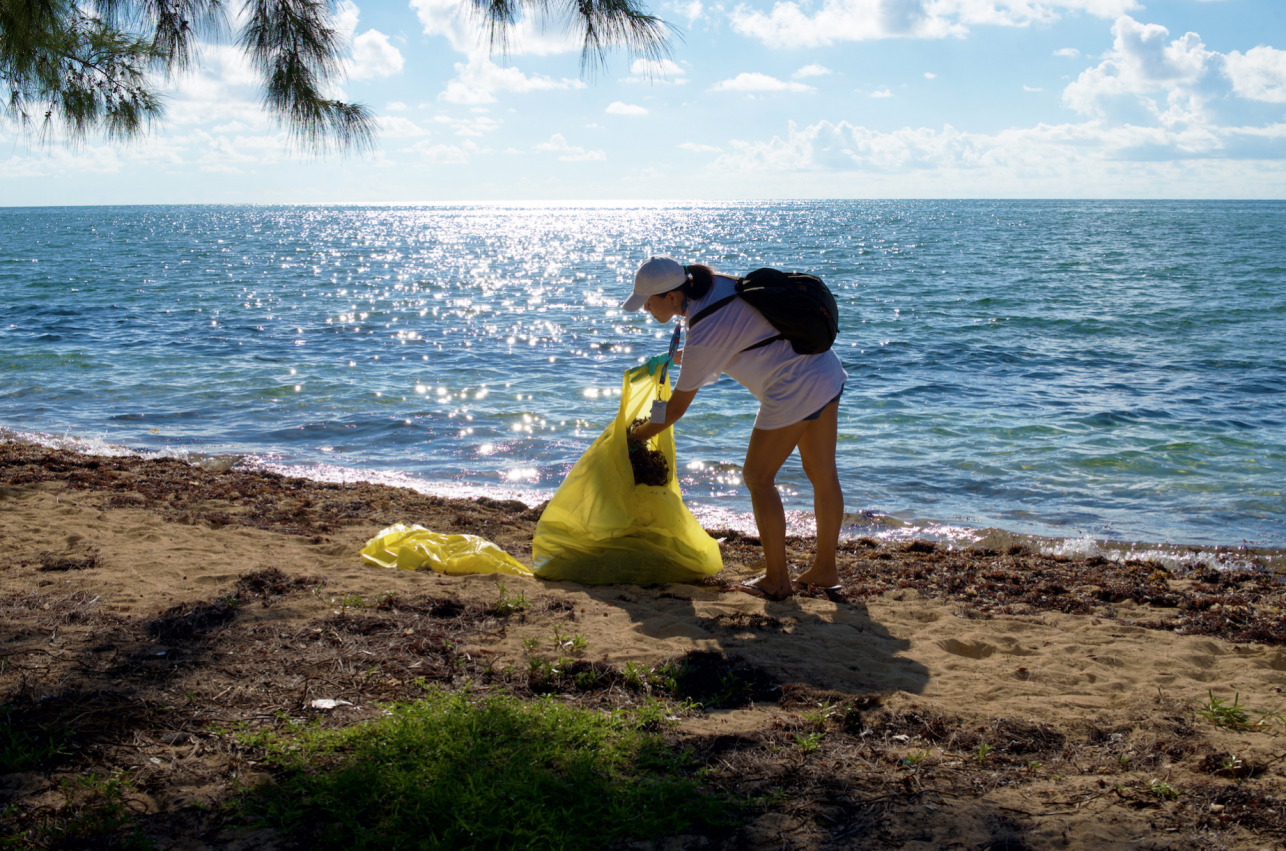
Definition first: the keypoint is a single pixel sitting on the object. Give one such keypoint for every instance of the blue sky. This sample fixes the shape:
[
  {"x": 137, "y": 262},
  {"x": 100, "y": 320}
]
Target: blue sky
[{"x": 760, "y": 99}]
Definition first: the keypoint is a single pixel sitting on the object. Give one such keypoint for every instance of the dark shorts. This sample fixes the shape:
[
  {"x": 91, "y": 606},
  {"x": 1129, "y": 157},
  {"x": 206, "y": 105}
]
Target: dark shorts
[{"x": 818, "y": 413}]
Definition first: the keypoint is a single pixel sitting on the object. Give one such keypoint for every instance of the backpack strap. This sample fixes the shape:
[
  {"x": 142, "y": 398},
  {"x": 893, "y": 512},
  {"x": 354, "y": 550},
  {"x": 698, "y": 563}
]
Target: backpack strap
[
  {"x": 763, "y": 343},
  {"x": 711, "y": 308}
]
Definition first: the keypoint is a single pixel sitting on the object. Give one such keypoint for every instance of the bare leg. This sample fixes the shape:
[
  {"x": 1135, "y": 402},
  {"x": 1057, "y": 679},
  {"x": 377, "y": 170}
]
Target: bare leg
[
  {"x": 768, "y": 450},
  {"x": 817, "y": 452}
]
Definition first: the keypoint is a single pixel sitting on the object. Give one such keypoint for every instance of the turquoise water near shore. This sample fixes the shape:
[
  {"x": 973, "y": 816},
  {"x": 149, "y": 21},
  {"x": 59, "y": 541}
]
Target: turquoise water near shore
[{"x": 1103, "y": 370}]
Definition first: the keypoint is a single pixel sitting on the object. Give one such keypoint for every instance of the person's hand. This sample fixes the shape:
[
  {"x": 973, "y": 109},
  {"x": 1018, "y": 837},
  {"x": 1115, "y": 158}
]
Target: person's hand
[{"x": 655, "y": 363}]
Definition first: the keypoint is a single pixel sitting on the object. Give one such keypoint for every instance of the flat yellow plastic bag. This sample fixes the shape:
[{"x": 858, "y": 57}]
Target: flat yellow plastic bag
[
  {"x": 600, "y": 528},
  {"x": 416, "y": 548}
]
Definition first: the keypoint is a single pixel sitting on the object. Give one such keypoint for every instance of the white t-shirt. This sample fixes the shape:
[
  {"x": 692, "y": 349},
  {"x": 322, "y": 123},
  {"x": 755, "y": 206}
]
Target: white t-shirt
[{"x": 788, "y": 386}]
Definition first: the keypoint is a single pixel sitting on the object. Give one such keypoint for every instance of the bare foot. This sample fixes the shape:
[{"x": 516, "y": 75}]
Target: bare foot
[
  {"x": 822, "y": 578},
  {"x": 759, "y": 588}
]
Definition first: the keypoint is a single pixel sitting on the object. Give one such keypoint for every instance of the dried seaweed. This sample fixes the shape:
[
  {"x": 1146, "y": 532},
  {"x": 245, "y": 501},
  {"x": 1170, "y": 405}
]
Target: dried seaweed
[
  {"x": 55, "y": 562},
  {"x": 650, "y": 466}
]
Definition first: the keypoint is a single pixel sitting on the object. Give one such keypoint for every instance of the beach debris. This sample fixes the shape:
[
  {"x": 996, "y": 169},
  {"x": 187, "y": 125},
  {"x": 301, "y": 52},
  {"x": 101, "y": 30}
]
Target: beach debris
[
  {"x": 650, "y": 466},
  {"x": 327, "y": 703}
]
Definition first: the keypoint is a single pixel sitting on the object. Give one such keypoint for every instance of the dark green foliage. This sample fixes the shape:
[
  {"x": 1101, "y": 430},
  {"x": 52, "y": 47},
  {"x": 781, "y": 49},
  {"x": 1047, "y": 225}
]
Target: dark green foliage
[
  {"x": 61, "y": 65},
  {"x": 453, "y": 772},
  {"x": 27, "y": 748}
]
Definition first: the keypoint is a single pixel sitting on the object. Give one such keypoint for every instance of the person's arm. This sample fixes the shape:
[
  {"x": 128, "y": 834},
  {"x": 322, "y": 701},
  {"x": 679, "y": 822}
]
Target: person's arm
[{"x": 676, "y": 407}]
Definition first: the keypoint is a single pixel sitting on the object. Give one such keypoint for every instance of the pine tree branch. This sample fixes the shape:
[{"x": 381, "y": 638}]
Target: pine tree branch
[{"x": 294, "y": 47}]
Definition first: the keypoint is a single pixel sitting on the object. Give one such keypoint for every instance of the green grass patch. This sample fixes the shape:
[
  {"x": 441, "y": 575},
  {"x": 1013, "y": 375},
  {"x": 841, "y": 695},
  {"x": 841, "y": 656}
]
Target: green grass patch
[
  {"x": 449, "y": 771},
  {"x": 1224, "y": 714},
  {"x": 27, "y": 749}
]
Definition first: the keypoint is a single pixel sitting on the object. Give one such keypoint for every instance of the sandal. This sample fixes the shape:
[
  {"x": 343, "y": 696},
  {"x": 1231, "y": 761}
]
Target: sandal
[
  {"x": 834, "y": 593},
  {"x": 749, "y": 587}
]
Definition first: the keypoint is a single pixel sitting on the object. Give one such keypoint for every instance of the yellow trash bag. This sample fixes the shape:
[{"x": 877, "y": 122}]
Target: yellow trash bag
[
  {"x": 417, "y": 548},
  {"x": 600, "y": 528}
]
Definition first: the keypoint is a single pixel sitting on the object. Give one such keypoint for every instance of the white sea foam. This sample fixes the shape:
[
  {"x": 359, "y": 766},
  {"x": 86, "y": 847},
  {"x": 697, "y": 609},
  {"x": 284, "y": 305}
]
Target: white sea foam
[{"x": 873, "y": 524}]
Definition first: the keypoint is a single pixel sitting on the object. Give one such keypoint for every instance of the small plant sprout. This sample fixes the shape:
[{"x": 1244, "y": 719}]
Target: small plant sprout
[
  {"x": 574, "y": 643},
  {"x": 1266, "y": 717},
  {"x": 1219, "y": 712},
  {"x": 635, "y": 674},
  {"x": 808, "y": 742},
  {"x": 546, "y": 669},
  {"x": 984, "y": 750},
  {"x": 1163, "y": 790},
  {"x": 914, "y": 758},
  {"x": 653, "y": 715},
  {"x": 667, "y": 676},
  {"x": 817, "y": 720},
  {"x": 508, "y": 603},
  {"x": 531, "y": 644}
]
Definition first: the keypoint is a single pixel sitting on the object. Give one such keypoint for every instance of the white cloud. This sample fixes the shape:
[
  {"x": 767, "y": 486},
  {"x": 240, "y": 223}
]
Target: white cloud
[
  {"x": 1148, "y": 76},
  {"x": 1070, "y": 52},
  {"x": 397, "y": 127},
  {"x": 929, "y": 75},
  {"x": 1260, "y": 74},
  {"x": 813, "y": 70},
  {"x": 691, "y": 11},
  {"x": 882, "y": 93},
  {"x": 622, "y": 108},
  {"x": 59, "y": 160},
  {"x": 454, "y": 21},
  {"x": 655, "y": 69},
  {"x": 477, "y": 80},
  {"x": 476, "y": 126},
  {"x": 557, "y": 144},
  {"x": 700, "y": 149},
  {"x": 373, "y": 55},
  {"x": 756, "y": 82},
  {"x": 448, "y": 18},
  {"x": 262, "y": 149},
  {"x": 645, "y": 175},
  {"x": 1032, "y": 89},
  {"x": 223, "y": 88},
  {"x": 395, "y": 106},
  {"x": 837, "y": 21},
  {"x": 442, "y": 154},
  {"x": 346, "y": 15},
  {"x": 1044, "y": 149}
]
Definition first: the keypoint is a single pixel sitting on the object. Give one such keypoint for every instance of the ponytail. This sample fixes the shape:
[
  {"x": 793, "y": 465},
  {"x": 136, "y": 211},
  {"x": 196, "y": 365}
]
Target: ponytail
[{"x": 700, "y": 280}]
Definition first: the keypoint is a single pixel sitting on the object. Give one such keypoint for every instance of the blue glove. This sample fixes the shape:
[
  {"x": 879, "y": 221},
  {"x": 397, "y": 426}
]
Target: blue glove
[{"x": 655, "y": 363}]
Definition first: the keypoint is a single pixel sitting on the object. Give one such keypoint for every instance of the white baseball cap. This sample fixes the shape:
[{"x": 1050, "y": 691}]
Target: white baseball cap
[{"x": 658, "y": 275}]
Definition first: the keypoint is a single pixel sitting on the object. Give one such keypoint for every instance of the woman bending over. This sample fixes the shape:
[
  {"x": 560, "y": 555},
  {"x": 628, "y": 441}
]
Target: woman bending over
[{"x": 798, "y": 407}]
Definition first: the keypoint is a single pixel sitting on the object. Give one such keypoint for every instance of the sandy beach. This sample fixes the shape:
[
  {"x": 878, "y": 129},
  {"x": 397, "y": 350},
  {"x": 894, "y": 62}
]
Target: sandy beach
[{"x": 954, "y": 698}]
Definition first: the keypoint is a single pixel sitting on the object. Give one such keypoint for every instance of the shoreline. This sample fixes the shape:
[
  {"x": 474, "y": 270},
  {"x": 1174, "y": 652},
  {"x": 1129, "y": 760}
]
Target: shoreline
[{"x": 882, "y": 527}]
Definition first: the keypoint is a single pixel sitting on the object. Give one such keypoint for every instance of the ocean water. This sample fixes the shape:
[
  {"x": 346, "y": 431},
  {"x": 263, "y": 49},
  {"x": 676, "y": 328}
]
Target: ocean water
[{"x": 1100, "y": 371}]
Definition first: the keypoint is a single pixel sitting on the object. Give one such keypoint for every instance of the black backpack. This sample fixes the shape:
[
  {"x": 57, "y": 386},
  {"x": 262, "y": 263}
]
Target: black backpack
[{"x": 798, "y": 305}]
